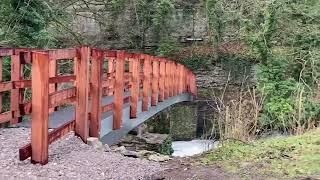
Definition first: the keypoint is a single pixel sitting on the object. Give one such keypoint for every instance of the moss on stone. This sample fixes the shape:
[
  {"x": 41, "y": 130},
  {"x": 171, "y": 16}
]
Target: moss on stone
[{"x": 183, "y": 122}]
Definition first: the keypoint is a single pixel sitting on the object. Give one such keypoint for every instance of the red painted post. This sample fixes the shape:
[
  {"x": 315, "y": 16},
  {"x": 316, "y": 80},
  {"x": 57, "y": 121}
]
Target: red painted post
[
  {"x": 155, "y": 82},
  {"x": 180, "y": 71},
  {"x": 146, "y": 82},
  {"x": 162, "y": 80},
  {"x": 1, "y": 63},
  {"x": 175, "y": 79},
  {"x": 135, "y": 88},
  {"x": 82, "y": 98},
  {"x": 40, "y": 111},
  {"x": 111, "y": 70},
  {"x": 119, "y": 90},
  {"x": 15, "y": 93},
  {"x": 52, "y": 73},
  {"x": 110, "y": 65},
  {"x": 171, "y": 83},
  {"x": 96, "y": 93},
  {"x": 193, "y": 84},
  {"x": 167, "y": 81}
]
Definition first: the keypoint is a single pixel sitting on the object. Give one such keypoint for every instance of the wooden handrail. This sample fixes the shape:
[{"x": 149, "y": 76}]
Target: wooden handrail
[{"x": 144, "y": 76}]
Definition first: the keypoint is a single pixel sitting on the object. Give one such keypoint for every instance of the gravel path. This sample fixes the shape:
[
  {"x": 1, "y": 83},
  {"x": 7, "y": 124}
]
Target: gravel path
[{"x": 68, "y": 159}]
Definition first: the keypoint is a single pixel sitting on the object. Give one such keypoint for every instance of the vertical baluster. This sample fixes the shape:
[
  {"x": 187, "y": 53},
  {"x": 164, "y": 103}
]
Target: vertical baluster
[
  {"x": 119, "y": 90},
  {"x": 15, "y": 93},
  {"x": 162, "y": 80},
  {"x": 175, "y": 78},
  {"x": 146, "y": 82},
  {"x": 96, "y": 93},
  {"x": 155, "y": 82},
  {"x": 167, "y": 81},
  {"x": 82, "y": 98},
  {"x": 40, "y": 110},
  {"x": 171, "y": 85},
  {"x": 111, "y": 71},
  {"x": 1, "y": 63},
  {"x": 52, "y": 73},
  {"x": 135, "y": 88},
  {"x": 180, "y": 84}
]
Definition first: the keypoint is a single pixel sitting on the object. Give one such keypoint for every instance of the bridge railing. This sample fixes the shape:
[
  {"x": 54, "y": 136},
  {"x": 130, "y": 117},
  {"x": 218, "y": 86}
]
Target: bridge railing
[{"x": 96, "y": 73}]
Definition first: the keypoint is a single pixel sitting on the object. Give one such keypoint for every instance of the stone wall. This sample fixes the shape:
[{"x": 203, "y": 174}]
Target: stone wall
[{"x": 119, "y": 32}]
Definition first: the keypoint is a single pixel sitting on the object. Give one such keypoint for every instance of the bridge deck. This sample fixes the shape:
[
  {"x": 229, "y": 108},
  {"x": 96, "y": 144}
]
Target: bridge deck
[{"x": 107, "y": 134}]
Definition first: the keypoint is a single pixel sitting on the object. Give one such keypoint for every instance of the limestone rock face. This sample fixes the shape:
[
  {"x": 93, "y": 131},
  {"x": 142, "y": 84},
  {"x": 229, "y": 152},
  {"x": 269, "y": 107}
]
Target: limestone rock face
[
  {"x": 159, "y": 158},
  {"x": 147, "y": 141}
]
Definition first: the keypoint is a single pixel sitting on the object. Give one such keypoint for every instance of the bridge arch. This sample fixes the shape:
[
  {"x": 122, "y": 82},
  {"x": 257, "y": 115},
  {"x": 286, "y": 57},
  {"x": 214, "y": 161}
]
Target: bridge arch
[{"x": 111, "y": 93}]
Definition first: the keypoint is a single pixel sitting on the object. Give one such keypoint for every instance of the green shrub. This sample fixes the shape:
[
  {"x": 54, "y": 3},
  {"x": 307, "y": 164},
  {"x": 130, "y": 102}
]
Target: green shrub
[
  {"x": 197, "y": 62},
  {"x": 166, "y": 147}
]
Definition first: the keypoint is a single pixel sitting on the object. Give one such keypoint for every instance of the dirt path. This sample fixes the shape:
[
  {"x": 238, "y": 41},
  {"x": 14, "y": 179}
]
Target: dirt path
[
  {"x": 188, "y": 169},
  {"x": 69, "y": 159}
]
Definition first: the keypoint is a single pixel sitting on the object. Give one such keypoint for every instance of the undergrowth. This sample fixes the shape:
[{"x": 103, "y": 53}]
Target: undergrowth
[{"x": 293, "y": 156}]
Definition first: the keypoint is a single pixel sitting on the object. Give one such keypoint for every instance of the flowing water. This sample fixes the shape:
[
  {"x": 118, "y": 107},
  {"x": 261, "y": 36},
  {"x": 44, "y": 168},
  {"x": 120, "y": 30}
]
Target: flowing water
[{"x": 194, "y": 147}]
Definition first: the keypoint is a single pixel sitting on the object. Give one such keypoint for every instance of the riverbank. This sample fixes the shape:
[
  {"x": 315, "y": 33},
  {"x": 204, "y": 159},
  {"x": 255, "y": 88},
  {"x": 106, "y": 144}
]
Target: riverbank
[{"x": 282, "y": 157}]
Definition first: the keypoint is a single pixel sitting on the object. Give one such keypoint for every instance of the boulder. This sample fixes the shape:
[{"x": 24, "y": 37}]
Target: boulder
[
  {"x": 159, "y": 158},
  {"x": 148, "y": 141},
  {"x": 95, "y": 143}
]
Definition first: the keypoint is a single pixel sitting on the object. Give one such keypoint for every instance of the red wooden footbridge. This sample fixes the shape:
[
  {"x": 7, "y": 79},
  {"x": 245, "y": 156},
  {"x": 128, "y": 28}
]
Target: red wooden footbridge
[{"x": 93, "y": 98}]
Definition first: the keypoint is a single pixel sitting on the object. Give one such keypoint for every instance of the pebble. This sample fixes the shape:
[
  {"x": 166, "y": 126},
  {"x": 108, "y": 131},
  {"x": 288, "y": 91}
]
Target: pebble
[{"x": 69, "y": 158}]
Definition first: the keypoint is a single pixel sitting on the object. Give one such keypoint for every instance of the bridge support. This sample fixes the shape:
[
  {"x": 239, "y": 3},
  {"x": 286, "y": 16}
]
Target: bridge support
[
  {"x": 119, "y": 90},
  {"x": 96, "y": 93},
  {"x": 82, "y": 97},
  {"x": 135, "y": 88},
  {"x": 40, "y": 111},
  {"x": 147, "y": 69}
]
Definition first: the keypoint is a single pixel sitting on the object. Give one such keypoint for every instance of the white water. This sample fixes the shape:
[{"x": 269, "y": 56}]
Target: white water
[{"x": 190, "y": 148}]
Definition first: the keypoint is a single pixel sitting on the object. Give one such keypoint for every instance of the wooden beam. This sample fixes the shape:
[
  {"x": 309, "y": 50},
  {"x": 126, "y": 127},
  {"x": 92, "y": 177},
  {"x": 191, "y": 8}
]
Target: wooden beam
[
  {"x": 40, "y": 105},
  {"x": 53, "y": 73},
  {"x": 96, "y": 93},
  {"x": 175, "y": 79},
  {"x": 15, "y": 93},
  {"x": 155, "y": 82},
  {"x": 1, "y": 63},
  {"x": 171, "y": 82},
  {"x": 146, "y": 82},
  {"x": 1, "y": 125},
  {"x": 135, "y": 88},
  {"x": 167, "y": 81},
  {"x": 111, "y": 70},
  {"x": 162, "y": 80},
  {"x": 56, "y": 54},
  {"x": 61, "y": 97},
  {"x": 82, "y": 85},
  {"x": 119, "y": 90},
  {"x": 5, "y": 117},
  {"x": 26, "y": 151},
  {"x": 180, "y": 70}
]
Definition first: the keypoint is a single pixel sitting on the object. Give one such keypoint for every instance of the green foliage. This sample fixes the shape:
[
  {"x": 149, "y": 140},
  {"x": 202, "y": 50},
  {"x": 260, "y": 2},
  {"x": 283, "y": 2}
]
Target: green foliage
[
  {"x": 282, "y": 156},
  {"x": 216, "y": 25},
  {"x": 197, "y": 62},
  {"x": 288, "y": 75},
  {"x": 162, "y": 19},
  {"x": 277, "y": 87},
  {"x": 166, "y": 147},
  {"x": 167, "y": 47},
  {"x": 28, "y": 23}
]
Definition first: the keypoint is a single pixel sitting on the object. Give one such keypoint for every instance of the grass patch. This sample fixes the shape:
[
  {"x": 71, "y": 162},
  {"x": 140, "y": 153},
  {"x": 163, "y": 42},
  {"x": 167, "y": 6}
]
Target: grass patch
[{"x": 293, "y": 156}]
